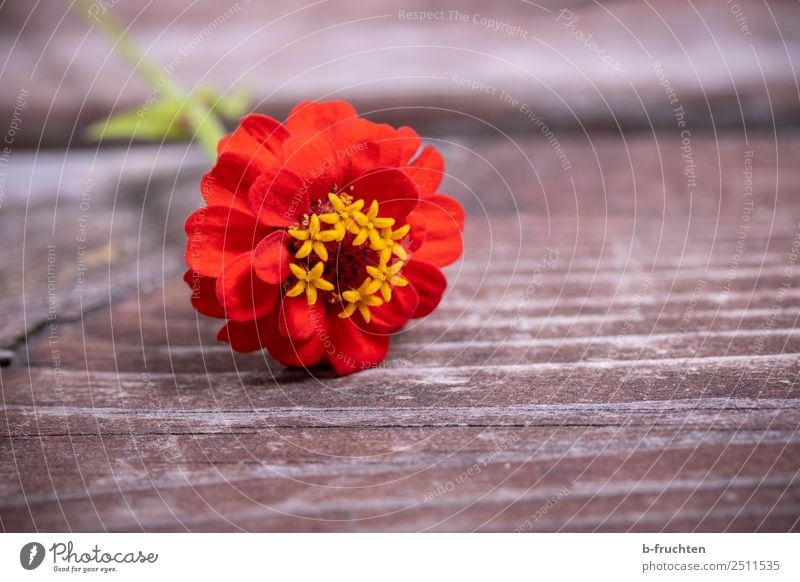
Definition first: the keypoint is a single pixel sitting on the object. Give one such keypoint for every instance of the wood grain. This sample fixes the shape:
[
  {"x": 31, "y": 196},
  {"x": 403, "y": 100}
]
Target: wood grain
[
  {"x": 408, "y": 71},
  {"x": 647, "y": 379}
]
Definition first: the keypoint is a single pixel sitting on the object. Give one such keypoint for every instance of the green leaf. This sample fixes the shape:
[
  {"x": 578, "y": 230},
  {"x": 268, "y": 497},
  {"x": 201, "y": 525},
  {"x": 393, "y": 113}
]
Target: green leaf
[
  {"x": 162, "y": 120},
  {"x": 231, "y": 106}
]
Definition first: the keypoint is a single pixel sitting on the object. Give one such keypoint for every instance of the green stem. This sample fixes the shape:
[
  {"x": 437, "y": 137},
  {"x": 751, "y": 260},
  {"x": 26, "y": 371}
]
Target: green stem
[{"x": 207, "y": 127}]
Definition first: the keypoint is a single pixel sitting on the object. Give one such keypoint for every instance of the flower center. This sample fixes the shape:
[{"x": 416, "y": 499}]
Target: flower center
[{"x": 346, "y": 256}]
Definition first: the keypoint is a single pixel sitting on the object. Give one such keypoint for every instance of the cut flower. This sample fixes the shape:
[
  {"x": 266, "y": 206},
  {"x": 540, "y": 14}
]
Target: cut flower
[{"x": 321, "y": 236}]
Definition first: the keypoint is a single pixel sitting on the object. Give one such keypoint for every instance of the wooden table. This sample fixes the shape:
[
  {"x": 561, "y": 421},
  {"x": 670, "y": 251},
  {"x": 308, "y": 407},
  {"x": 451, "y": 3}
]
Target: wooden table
[{"x": 617, "y": 351}]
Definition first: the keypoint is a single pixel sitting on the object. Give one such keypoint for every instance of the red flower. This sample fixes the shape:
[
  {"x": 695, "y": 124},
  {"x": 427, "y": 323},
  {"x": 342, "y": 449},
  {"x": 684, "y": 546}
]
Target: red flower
[{"x": 321, "y": 236}]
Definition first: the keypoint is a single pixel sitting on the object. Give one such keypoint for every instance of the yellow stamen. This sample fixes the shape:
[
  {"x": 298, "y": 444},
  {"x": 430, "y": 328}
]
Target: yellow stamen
[
  {"x": 361, "y": 299},
  {"x": 314, "y": 238},
  {"x": 342, "y": 216},
  {"x": 391, "y": 243},
  {"x": 367, "y": 226},
  {"x": 318, "y": 231},
  {"x": 309, "y": 281},
  {"x": 388, "y": 277}
]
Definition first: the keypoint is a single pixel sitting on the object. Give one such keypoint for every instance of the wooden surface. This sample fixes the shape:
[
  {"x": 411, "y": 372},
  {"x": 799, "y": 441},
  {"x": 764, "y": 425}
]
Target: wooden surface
[{"x": 615, "y": 352}]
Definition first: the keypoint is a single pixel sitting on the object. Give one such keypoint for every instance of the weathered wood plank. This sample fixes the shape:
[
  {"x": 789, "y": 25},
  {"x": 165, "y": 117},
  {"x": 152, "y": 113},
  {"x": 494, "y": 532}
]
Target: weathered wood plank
[
  {"x": 126, "y": 357},
  {"x": 774, "y": 376},
  {"x": 288, "y": 53},
  {"x": 87, "y": 230},
  {"x": 502, "y": 494},
  {"x": 647, "y": 379}
]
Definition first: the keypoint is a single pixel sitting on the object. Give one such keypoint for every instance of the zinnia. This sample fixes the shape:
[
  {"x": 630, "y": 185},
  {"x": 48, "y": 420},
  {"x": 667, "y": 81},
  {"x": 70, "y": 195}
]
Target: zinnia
[{"x": 321, "y": 236}]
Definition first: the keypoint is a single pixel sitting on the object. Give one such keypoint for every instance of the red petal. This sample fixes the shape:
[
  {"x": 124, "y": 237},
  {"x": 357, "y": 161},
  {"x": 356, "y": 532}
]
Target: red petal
[
  {"x": 366, "y": 145},
  {"x": 394, "y": 191},
  {"x": 204, "y": 296},
  {"x": 217, "y": 234},
  {"x": 315, "y": 160},
  {"x": 309, "y": 117},
  {"x": 418, "y": 232},
  {"x": 391, "y": 316},
  {"x": 427, "y": 171},
  {"x": 298, "y": 320},
  {"x": 243, "y": 295},
  {"x": 279, "y": 198},
  {"x": 271, "y": 258},
  {"x": 250, "y": 336},
  {"x": 409, "y": 143},
  {"x": 451, "y": 206},
  {"x": 265, "y": 130},
  {"x": 245, "y": 336},
  {"x": 428, "y": 281},
  {"x": 444, "y": 221},
  {"x": 352, "y": 348},
  {"x": 228, "y": 182},
  {"x": 331, "y": 145},
  {"x": 294, "y": 352},
  {"x": 258, "y": 139},
  {"x": 329, "y": 159}
]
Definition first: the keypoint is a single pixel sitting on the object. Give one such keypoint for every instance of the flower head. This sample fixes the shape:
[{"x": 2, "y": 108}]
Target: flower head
[{"x": 321, "y": 236}]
